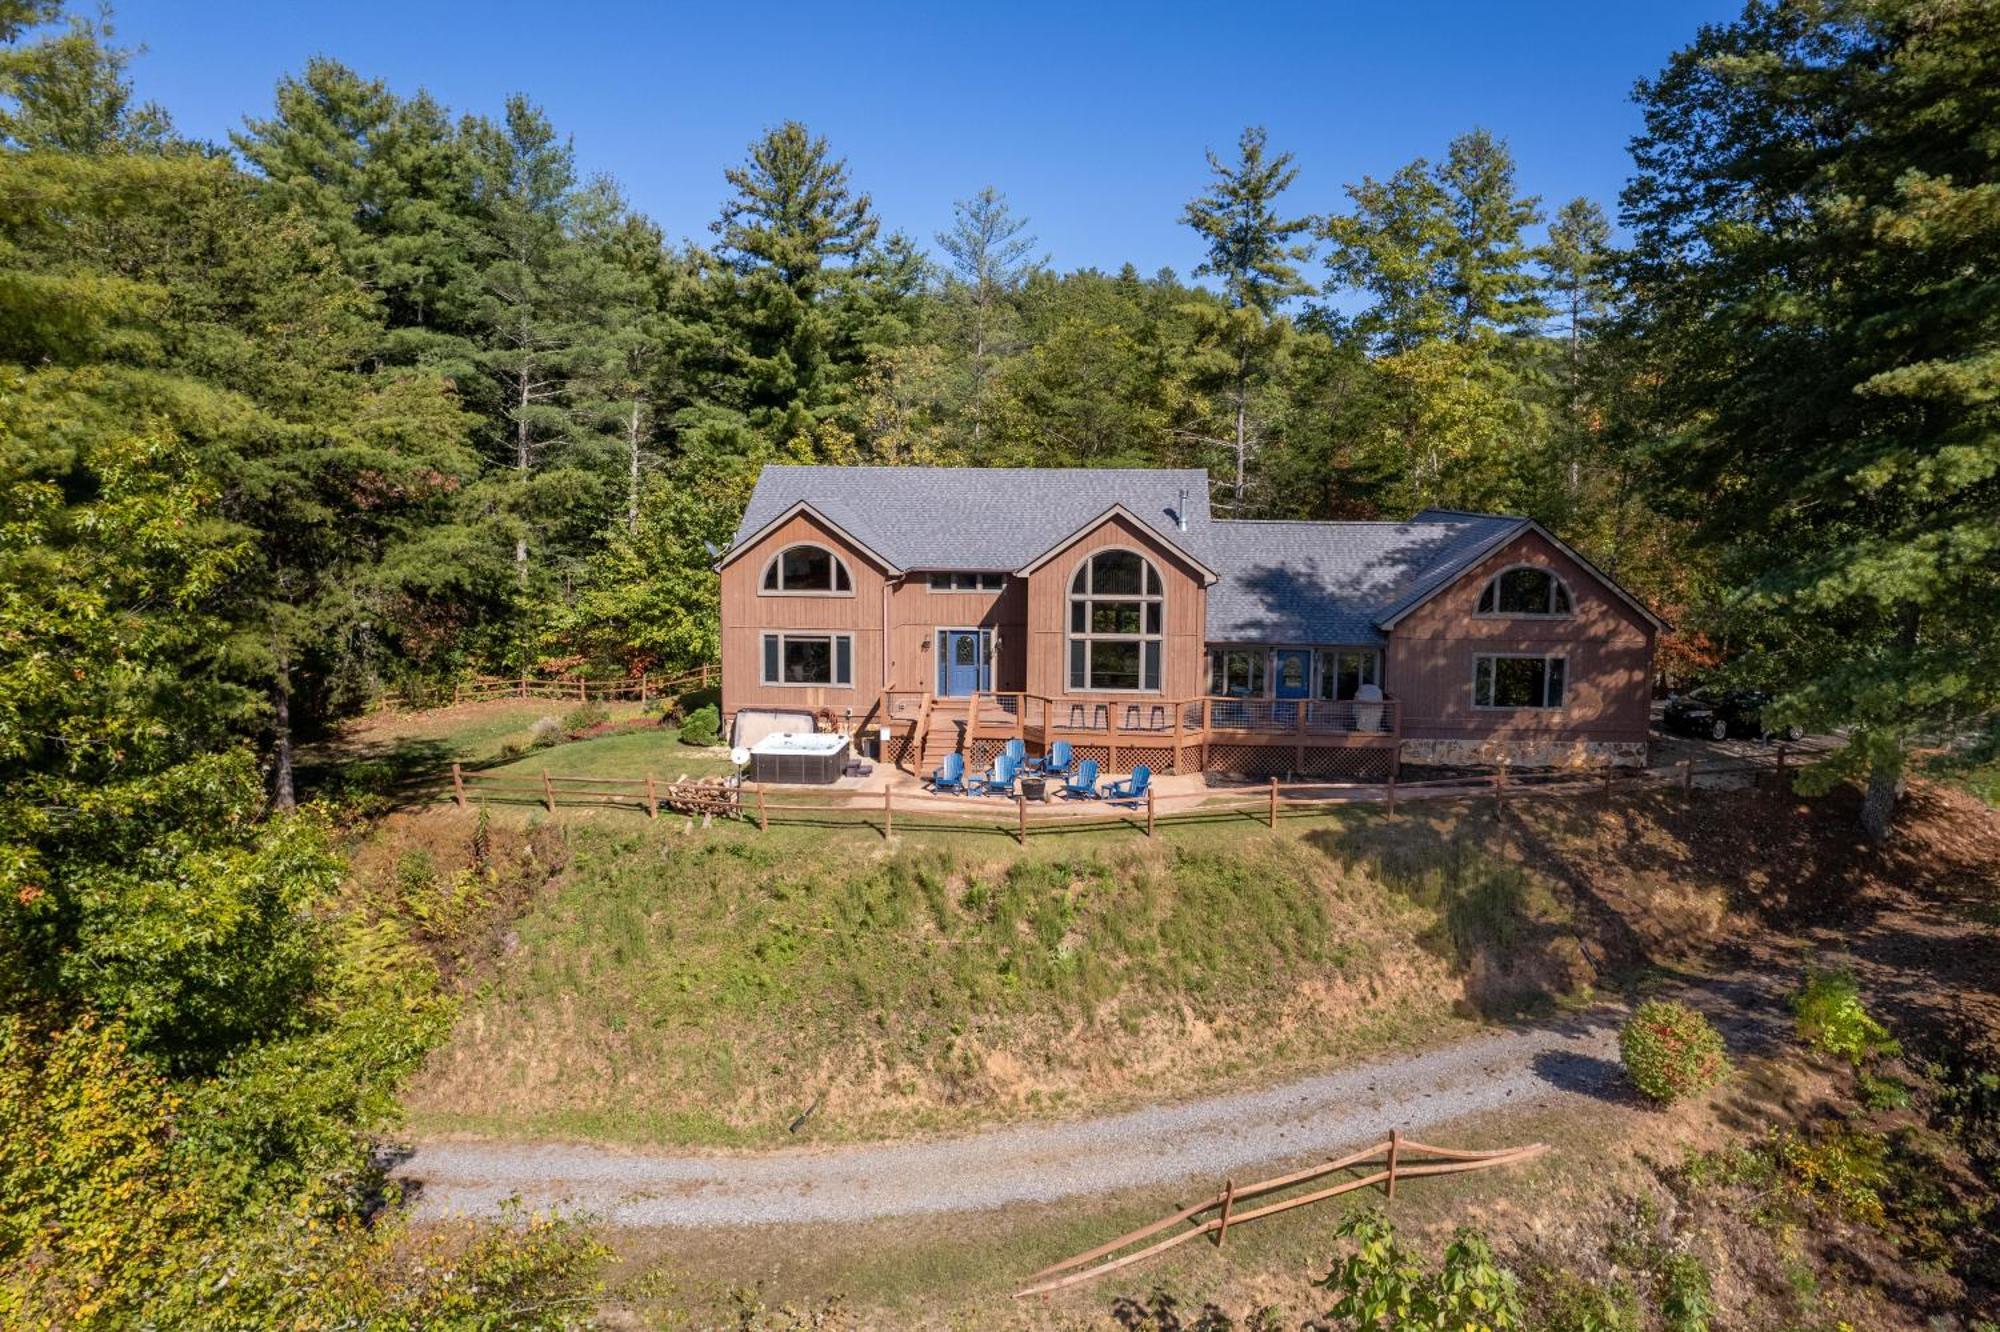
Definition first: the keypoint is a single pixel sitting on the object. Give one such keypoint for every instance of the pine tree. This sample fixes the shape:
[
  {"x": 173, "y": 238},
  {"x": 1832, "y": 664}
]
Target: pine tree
[
  {"x": 68, "y": 91},
  {"x": 1250, "y": 248},
  {"x": 990, "y": 259},
  {"x": 1815, "y": 250}
]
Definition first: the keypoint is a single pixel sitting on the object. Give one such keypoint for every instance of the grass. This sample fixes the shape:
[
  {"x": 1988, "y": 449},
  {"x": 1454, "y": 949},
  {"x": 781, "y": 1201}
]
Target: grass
[
  {"x": 655, "y": 749},
  {"x": 705, "y": 989}
]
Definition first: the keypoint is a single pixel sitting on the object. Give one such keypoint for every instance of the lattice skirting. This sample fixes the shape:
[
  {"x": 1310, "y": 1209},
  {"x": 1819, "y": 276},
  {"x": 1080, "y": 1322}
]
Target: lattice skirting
[{"x": 1342, "y": 763}]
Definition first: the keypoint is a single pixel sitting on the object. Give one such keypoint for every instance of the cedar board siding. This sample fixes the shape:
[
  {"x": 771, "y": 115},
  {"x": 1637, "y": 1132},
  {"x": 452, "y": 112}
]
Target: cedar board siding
[
  {"x": 746, "y": 615},
  {"x": 1183, "y": 664},
  {"x": 1428, "y": 664},
  {"x": 916, "y": 614}
]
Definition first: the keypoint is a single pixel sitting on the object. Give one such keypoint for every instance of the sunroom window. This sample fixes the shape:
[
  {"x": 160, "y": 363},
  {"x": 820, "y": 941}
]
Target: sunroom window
[{"x": 1116, "y": 616}]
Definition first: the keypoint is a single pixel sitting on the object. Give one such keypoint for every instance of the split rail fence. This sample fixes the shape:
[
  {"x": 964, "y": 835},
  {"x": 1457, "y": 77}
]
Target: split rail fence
[
  {"x": 641, "y": 688},
  {"x": 1395, "y": 1158},
  {"x": 885, "y": 811}
]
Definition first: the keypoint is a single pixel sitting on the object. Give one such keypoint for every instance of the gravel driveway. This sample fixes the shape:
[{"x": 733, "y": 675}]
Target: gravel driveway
[{"x": 1572, "y": 1061}]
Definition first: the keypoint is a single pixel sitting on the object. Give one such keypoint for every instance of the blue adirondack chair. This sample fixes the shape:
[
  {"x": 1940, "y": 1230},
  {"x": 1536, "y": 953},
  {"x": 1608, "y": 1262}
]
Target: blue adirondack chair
[
  {"x": 950, "y": 777},
  {"x": 1000, "y": 781},
  {"x": 1056, "y": 762},
  {"x": 1017, "y": 750},
  {"x": 1083, "y": 786},
  {"x": 1133, "y": 788}
]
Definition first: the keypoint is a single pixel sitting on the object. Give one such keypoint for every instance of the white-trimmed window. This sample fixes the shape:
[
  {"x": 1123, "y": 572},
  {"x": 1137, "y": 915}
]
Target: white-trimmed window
[
  {"x": 806, "y": 570},
  {"x": 1236, "y": 672},
  {"x": 968, "y": 582},
  {"x": 1503, "y": 681},
  {"x": 1525, "y": 589},
  {"x": 1342, "y": 671},
  {"x": 1117, "y": 610},
  {"x": 809, "y": 659}
]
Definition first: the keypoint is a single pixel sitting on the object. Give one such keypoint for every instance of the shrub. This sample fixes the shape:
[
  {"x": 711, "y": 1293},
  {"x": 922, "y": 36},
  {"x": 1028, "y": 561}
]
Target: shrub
[
  {"x": 1687, "y": 1294},
  {"x": 1671, "y": 1051},
  {"x": 702, "y": 727},
  {"x": 544, "y": 733},
  {"x": 1833, "y": 1021},
  {"x": 1382, "y": 1284},
  {"x": 584, "y": 716}
]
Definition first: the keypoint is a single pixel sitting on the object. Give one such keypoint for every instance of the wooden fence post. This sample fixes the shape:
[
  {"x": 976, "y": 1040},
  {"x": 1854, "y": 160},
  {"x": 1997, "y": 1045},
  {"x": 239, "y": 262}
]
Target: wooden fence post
[
  {"x": 1781, "y": 768},
  {"x": 1149, "y": 810},
  {"x": 644, "y": 696},
  {"x": 454, "y": 693},
  {"x": 1687, "y": 777},
  {"x": 458, "y": 785},
  {"x": 763, "y": 819},
  {"x": 1273, "y": 817},
  {"x": 582, "y": 690},
  {"x": 1395, "y": 1150},
  {"x": 548, "y": 791},
  {"x": 524, "y": 686},
  {"x": 1228, "y": 1206},
  {"x": 1500, "y": 789},
  {"x": 888, "y": 812},
  {"x": 1392, "y": 790},
  {"x": 652, "y": 798},
  {"x": 1021, "y": 816}
]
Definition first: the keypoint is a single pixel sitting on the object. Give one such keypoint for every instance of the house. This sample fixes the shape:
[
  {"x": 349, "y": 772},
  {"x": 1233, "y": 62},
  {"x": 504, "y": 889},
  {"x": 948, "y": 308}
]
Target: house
[{"x": 958, "y": 607}]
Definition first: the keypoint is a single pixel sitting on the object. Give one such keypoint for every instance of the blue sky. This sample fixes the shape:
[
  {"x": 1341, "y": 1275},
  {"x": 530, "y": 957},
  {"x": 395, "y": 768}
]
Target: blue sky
[{"x": 1091, "y": 118}]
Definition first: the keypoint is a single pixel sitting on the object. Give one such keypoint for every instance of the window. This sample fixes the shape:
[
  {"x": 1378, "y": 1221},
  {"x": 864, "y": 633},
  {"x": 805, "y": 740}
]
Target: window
[
  {"x": 1236, "y": 674},
  {"x": 1524, "y": 590},
  {"x": 1518, "y": 682},
  {"x": 1116, "y": 613},
  {"x": 1342, "y": 671},
  {"x": 968, "y": 582},
  {"x": 806, "y": 569},
  {"x": 808, "y": 659}
]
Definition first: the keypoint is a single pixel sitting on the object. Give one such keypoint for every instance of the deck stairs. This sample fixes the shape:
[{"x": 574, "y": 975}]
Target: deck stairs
[{"x": 943, "y": 726}]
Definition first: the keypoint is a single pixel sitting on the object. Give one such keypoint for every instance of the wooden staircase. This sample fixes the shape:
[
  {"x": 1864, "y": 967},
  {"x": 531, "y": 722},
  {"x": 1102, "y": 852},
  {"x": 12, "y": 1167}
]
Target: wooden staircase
[{"x": 941, "y": 730}]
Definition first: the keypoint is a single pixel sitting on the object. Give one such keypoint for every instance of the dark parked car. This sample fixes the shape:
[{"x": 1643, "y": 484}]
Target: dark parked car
[{"x": 1723, "y": 714}]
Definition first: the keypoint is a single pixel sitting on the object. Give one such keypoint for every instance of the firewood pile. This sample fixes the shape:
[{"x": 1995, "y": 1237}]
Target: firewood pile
[{"x": 705, "y": 796}]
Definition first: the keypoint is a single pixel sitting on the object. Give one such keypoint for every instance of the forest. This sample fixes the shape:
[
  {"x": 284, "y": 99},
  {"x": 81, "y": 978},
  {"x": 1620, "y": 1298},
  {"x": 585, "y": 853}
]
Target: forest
[{"x": 383, "y": 392}]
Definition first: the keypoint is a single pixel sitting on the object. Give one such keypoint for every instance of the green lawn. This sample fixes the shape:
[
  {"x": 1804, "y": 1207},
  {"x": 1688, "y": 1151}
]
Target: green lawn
[
  {"x": 705, "y": 988},
  {"x": 654, "y": 749}
]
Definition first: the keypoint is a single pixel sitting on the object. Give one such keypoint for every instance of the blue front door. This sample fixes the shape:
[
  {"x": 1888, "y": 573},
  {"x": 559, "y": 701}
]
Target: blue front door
[
  {"x": 962, "y": 665},
  {"x": 1291, "y": 678}
]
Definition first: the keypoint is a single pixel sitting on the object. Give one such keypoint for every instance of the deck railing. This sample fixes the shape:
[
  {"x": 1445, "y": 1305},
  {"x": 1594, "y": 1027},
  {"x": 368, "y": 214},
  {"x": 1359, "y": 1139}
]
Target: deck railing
[{"x": 1013, "y": 713}]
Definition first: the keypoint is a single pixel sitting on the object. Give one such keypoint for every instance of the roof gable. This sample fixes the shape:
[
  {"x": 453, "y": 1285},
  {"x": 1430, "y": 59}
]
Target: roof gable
[
  {"x": 1116, "y": 511},
  {"x": 981, "y": 518}
]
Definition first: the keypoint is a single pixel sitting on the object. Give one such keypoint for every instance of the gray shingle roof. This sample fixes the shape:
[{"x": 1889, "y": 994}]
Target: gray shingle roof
[
  {"x": 1333, "y": 582},
  {"x": 978, "y": 517},
  {"x": 1280, "y": 582}
]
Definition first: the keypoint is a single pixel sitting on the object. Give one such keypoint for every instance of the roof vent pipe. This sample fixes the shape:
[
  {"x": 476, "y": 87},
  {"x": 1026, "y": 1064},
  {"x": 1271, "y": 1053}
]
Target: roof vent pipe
[{"x": 1180, "y": 510}]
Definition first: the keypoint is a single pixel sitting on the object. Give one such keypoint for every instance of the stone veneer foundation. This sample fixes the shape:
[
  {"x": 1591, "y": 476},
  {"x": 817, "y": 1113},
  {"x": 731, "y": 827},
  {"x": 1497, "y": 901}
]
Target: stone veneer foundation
[{"x": 1526, "y": 753}]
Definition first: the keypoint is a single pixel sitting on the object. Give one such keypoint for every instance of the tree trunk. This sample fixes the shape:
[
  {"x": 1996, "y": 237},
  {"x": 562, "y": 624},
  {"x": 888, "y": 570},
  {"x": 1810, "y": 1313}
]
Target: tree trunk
[
  {"x": 1878, "y": 807},
  {"x": 522, "y": 462},
  {"x": 282, "y": 794},
  {"x": 632, "y": 465}
]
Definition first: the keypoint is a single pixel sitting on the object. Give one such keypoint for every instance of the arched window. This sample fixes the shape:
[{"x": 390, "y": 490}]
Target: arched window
[
  {"x": 806, "y": 569},
  {"x": 1524, "y": 589},
  {"x": 1116, "y": 609}
]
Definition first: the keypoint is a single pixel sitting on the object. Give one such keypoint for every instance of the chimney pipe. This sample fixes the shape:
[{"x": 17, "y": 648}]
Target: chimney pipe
[{"x": 1180, "y": 510}]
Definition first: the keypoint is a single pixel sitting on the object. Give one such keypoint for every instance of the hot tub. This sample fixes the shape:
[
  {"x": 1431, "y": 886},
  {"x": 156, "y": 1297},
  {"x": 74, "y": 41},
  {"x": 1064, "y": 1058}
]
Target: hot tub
[{"x": 794, "y": 756}]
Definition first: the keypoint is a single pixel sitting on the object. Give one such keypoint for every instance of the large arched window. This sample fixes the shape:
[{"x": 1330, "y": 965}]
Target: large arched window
[
  {"x": 1116, "y": 610},
  {"x": 806, "y": 569},
  {"x": 1525, "y": 589}
]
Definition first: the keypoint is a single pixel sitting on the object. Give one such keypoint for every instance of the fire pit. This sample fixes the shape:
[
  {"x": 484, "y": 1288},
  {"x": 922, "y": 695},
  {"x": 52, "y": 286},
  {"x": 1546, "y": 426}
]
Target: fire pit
[{"x": 1035, "y": 788}]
